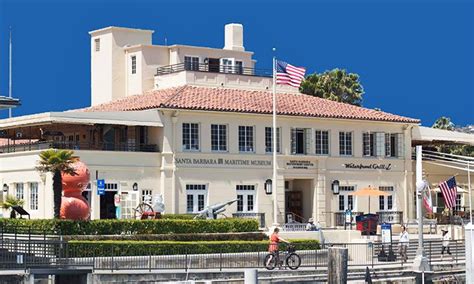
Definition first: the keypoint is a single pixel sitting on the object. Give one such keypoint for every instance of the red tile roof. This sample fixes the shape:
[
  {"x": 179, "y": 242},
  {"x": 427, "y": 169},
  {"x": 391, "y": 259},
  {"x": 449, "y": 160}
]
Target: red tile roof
[{"x": 245, "y": 101}]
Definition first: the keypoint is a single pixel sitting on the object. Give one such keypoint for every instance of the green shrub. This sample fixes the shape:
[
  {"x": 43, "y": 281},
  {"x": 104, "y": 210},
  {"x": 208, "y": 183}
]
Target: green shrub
[
  {"x": 244, "y": 236},
  {"x": 130, "y": 227},
  {"x": 137, "y": 248},
  {"x": 178, "y": 216}
]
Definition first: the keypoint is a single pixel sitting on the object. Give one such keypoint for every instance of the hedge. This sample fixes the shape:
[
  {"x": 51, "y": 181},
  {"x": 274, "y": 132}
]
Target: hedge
[
  {"x": 244, "y": 236},
  {"x": 141, "y": 248},
  {"x": 118, "y": 227}
]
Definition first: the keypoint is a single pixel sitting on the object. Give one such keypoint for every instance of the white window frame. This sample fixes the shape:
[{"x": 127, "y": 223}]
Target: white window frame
[
  {"x": 129, "y": 200},
  {"x": 193, "y": 64},
  {"x": 34, "y": 195},
  {"x": 307, "y": 137},
  {"x": 385, "y": 199},
  {"x": 219, "y": 138},
  {"x": 321, "y": 141},
  {"x": 144, "y": 193},
  {"x": 269, "y": 140},
  {"x": 344, "y": 191},
  {"x": 20, "y": 191},
  {"x": 344, "y": 151},
  {"x": 246, "y": 191},
  {"x": 190, "y": 147},
  {"x": 133, "y": 64},
  {"x": 195, "y": 190},
  {"x": 243, "y": 141}
]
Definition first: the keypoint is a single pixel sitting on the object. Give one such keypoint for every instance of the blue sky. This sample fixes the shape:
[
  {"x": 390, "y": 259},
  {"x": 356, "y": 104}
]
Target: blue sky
[{"x": 415, "y": 58}]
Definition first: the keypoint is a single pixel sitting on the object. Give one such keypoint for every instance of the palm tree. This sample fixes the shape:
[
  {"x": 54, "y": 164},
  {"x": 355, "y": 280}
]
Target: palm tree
[
  {"x": 11, "y": 201},
  {"x": 57, "y": 162},
  {"x": 444, "y": 123}
]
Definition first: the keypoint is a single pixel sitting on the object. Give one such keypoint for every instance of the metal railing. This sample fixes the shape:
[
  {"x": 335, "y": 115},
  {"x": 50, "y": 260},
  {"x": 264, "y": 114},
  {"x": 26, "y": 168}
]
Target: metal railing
[
  {"x": 341, "y": 217},
  {"x": 249, "y": 215},
  {"x": 205, "y": 67},
  {"x": 103, "y": 146},
  {"x": 392, "y": 217},
  {"x": 32, "y": 251}
]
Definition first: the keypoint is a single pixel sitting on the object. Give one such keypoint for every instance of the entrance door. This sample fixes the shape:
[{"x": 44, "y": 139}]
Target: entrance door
[
  {"x": 128, "y": 202},
  {"x": 214, "y": 64},
  {"x": 107, "y": 206},
  {"x": 294, "y": 205}
]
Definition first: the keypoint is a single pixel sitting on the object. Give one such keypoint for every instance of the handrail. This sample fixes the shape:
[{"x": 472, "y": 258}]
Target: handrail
[
  {"x": 206, "y": 67},
  {"x": 101, "y": 146}
]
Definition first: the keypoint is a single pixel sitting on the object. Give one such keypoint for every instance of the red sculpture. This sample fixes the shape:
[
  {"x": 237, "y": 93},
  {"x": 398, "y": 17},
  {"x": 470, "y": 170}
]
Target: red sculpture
[{"x": 73, "y": 205}]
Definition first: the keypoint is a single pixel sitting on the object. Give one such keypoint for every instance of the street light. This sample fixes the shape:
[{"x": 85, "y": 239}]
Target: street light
[
  {"x": 335, "y": 187},
  {"x": 268, "y": 187},
  {"x": 135, "y": 187},
  {"x": 5, "y": 188}
]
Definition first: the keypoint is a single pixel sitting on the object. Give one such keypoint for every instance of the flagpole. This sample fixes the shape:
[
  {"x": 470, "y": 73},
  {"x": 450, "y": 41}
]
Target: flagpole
[
  {"x": 10, "y": 73},
  {"x": 469, "y": 188},
  {"x": 274, "y": 144}
]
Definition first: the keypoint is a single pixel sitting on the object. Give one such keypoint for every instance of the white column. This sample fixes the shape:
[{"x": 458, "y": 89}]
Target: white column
[{"x": 469, "y": 233}]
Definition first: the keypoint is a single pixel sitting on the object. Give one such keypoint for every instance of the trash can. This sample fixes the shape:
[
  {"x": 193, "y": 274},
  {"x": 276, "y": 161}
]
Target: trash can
[{"x": 367, "y": 224}]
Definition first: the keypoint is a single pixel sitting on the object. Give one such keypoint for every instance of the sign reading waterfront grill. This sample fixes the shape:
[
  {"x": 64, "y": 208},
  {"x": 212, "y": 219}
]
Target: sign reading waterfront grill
[
  {"x": 221, "y": 162},
  {"x": 386, "y": 167}
]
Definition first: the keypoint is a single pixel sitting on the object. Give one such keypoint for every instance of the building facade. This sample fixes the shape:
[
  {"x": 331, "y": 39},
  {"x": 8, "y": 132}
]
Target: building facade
[{"x": 194, "y": 125}]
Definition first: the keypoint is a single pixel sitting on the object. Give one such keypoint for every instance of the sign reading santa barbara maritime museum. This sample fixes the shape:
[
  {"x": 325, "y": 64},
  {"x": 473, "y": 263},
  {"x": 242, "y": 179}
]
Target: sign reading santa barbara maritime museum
[{"x": 222, "y": 162}]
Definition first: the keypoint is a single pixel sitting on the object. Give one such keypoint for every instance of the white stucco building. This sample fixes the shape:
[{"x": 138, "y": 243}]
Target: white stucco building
[{"x": 194, "y": 124}]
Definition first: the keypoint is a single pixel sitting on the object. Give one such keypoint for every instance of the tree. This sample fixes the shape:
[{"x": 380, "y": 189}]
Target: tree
[
  {"x": 57, "y": 162},
  {"x": 336, "y": 85},
  {"x": 443, "y": 123},
  {"x": 11, "y": 201}
]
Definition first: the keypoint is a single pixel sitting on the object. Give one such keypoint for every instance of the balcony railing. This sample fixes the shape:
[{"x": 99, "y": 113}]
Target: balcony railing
[
  {"x": 392, "y": 217},
  {"x": 42, "y": 145},
  {"x": 259, "y": 216},
  {"x": 341, "y": 217},
  {"x": 204, "y": 67}
]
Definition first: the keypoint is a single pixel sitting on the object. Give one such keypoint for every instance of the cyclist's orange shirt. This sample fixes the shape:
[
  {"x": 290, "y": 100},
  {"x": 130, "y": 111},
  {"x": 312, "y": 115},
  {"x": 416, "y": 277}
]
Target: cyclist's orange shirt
[{"x": 274, "y": 240}]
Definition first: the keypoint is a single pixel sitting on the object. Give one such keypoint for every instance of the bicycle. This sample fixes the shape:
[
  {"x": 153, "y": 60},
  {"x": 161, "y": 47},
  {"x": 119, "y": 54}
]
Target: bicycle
[{"x": 289, "y": 257}]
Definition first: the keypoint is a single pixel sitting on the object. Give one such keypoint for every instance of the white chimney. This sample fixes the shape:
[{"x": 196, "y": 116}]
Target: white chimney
[{"x": 234, "y": 37}]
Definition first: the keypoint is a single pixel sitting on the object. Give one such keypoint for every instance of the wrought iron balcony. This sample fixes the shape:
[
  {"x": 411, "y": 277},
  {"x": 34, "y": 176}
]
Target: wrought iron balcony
[{"x": 213, "y": 68}]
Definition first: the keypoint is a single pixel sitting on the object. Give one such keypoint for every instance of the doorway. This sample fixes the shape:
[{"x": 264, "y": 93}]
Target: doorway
[
  {"x": 213, "y": 64},
  {"x": 299, "y": 195},
  {"x": 107, "y": 206}
]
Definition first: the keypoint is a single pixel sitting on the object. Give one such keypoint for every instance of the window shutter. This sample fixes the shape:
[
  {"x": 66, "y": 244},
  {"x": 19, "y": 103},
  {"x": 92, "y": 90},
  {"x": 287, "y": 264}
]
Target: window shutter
[
  {"x": 380, "y": 144},
  {"x": 293, "y": 140},
  {"x": 308, "y": 138},
  {"x": 400, "y": 148}
]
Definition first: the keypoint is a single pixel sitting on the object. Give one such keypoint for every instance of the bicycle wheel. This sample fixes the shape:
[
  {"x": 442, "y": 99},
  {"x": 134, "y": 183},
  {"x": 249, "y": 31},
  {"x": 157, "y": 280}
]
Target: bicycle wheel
[
  {"x": 270, "y": 261},
  {"x": 293, "y": 261}
]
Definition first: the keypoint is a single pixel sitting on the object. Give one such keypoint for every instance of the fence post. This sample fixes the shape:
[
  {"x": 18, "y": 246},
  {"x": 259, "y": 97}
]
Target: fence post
[
  {"x": 112, "y": 259},
  {"x": 337, "y": 265},
  {"x": 149, "y": 260},
  {"x": 456, "y": 251},
  {"x": 431, "y": 255},
  {"x": 220, "y": 258},
  {"x": 186, "y": 259}
]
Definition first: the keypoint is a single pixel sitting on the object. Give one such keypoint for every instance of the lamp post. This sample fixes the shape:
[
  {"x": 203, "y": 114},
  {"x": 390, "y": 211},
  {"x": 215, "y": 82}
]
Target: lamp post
[
  {"x": 268, "y": 187},
  {"x": 335, "y": 187},
  {"x": 420, "y": 263}
]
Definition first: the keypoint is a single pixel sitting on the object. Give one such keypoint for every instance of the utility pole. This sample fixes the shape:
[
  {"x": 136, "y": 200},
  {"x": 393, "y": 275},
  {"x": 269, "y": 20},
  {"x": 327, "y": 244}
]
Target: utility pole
[{"x": 10, "y": 74}]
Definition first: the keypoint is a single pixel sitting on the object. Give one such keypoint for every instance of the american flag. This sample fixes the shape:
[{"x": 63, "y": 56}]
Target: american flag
[
  {"x": 449, "y": 190},
  {"x": 288, "y": 74}
]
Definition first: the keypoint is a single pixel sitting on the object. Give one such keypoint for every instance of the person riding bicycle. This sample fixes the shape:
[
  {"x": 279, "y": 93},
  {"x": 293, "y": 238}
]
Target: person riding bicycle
[{"x": 275, "y": 239}]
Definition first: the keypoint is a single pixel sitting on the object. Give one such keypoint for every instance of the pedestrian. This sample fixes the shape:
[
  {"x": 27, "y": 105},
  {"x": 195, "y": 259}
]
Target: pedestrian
[
  {"x": 445, "y": 243},
  {"x": 273, "y": 248},
  {"x": 403, "y": 244},
  {"x": 311, "y": 226}
]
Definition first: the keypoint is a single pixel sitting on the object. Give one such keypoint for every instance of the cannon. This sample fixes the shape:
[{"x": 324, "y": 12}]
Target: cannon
[{"x": 211, "y": 211}]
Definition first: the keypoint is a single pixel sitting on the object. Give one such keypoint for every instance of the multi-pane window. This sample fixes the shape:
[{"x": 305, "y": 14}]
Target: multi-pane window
[
  {"x": 191, "y": 136},
  {"x": 269, "y": 140},
  {"x": 386, "y": 202},
  {"x": 219, "y": 137},
  {"x": 134, "y": 64},
  {"x": 33, "y": 195},
  {"x": 300, "y": 141},
  {"x": 191, "y": 63},
  {"x": 394, "y": 144},
  {"x": 111, "y": 186},
  {"x": 97, "y": 44},
  {"x": 196, "y": 196},
  {"x": 19, "y": 193},
  {"x": 245, "y": 198},
  {"x": 246, "y": 141},
  {"x": 345, "y": 143},
  {"x": 147, "y": 195},
  {"x": 458, "y": 206},
  {"x": 368, "y": 144},
  {"x": 239, "y": 67},
  {"x": 346, "y": 201},
  {"x": 322, "y": 142}
]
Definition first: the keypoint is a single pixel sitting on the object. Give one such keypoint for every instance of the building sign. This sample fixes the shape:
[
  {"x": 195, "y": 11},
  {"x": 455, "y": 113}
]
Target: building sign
[
  {"x": 299, "y": 164},
  {"x": 221, "y": 162},
  {"x": 386, "y": 167},
  {"x": 386, "y": 230},
  {"x": 100, "y": 187}
]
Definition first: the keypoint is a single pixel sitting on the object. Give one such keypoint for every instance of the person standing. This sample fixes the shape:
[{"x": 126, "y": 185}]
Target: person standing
[
  {"x": 403, "y": 244},
  {"x": 445, "y": 243}
]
